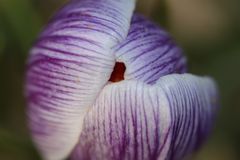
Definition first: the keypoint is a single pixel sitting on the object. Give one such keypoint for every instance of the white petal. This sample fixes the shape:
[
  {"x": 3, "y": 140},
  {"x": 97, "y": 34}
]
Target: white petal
[
  {"x": 69, "y": 64},
  {"x": 131, "y": 120}
]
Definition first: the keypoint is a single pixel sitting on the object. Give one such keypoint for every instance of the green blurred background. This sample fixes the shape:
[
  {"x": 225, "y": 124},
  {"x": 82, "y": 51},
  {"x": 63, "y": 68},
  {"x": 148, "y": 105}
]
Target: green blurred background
[{"x": 208, "y": 31}]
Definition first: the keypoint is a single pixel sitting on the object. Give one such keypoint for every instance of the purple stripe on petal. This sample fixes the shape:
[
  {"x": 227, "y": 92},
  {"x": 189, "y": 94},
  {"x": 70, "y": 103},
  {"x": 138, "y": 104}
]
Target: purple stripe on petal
[
  {"x": 69, "y": 64},
  {"x": 193, "y": 103},
  {"x": 149, "y": 52},
  {"x": 131, "y": 120}
]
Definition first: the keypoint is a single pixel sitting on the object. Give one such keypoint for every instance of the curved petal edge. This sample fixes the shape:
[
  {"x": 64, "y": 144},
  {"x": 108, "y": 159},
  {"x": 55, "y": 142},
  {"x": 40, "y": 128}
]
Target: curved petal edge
[{"x": 133, "y": 120}]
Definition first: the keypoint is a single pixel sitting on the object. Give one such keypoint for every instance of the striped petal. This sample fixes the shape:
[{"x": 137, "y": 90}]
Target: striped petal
[
  {"x": 193, "y": 102},
  {"x": 149, "y": 52},
  {"x": 69, "y": 64},
  {"x": 132, "y": 120}
]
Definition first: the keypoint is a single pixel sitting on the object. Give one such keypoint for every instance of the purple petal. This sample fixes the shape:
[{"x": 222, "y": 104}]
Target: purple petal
[
  {"x": 69, "y": 64},
  {"x": 193, "y": 102},
  {"x": 149, "y": 52},
  {"x": 131, "y": 120}
]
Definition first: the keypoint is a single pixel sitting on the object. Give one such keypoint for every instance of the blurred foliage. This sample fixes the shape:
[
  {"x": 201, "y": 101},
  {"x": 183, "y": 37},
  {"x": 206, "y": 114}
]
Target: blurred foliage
[{"x": 209, "y": 32}]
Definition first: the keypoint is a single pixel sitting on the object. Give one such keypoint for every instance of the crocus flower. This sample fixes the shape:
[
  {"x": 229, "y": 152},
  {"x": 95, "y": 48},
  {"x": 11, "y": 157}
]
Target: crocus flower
[{"x": 104, "y": 83}]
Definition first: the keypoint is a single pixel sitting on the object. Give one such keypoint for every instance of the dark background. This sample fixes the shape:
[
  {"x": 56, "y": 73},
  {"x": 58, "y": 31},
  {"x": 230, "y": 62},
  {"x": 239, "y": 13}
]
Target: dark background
[{"x": 208, "y": 31}]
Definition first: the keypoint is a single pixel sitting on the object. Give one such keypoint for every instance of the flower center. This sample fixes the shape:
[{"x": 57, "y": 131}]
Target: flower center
[{"x": 118, "y": 72}]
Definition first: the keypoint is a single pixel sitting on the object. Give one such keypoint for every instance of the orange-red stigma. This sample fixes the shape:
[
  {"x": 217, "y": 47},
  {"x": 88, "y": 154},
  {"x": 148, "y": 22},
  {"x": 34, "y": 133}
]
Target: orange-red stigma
[{"x": 118, "y": 72}]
